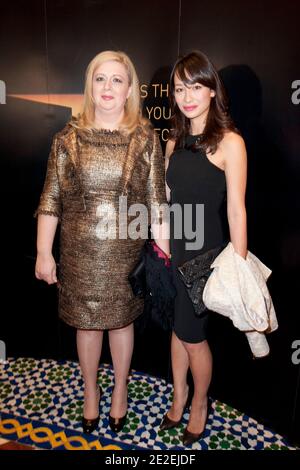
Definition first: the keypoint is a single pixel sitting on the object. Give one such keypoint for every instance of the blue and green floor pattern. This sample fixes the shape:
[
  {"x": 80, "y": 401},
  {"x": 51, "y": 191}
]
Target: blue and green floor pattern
[{"x": 42, "y": 401}]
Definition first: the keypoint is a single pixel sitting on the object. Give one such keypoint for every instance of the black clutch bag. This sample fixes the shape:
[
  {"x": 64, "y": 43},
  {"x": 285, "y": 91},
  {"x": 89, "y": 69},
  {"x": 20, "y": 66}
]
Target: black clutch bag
[{"x": 195, "y": 273}]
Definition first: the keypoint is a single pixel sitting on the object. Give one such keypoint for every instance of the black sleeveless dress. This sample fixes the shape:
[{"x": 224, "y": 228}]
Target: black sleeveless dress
[{"x": 193, "y": 179}]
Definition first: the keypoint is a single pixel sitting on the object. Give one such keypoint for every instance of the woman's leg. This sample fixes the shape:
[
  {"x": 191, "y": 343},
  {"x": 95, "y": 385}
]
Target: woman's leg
[
  {"x": 121, "y": 347},
  {"x": 180, "y": 365},
  {"x": 200, "y": 360},
  {"x": 89, "y": 345}
]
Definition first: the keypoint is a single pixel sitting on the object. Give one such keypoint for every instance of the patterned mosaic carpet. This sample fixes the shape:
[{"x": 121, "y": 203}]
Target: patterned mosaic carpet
[{"x": 42, "y": 400}]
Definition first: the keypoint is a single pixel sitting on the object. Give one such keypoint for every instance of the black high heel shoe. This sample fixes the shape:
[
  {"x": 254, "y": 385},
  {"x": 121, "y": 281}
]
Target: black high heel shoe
[
  {"x": 89, "y": 425},
  {"x": 188, "y": 437},
  {"x": 117, "y": 424},
  {"x": 168, "y": 423}
]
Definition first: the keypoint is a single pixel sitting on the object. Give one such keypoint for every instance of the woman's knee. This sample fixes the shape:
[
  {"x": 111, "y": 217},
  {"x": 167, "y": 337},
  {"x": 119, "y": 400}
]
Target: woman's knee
[
  {"x": 128, "y": 329},
  {"x": 89, "y": 334}
]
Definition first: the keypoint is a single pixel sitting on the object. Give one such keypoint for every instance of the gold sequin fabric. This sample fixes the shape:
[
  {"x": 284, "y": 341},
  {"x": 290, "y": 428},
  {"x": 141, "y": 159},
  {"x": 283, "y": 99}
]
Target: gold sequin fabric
[{"x": 86, "y": 174}]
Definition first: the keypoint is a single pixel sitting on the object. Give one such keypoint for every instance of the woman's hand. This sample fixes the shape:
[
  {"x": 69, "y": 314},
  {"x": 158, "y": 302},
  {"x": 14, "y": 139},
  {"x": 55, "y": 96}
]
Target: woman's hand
[{"x": 45, "y": 268}]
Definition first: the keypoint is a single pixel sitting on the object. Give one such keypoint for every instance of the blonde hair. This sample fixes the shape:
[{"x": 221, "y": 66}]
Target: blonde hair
[{"x": 132, "y": 111}]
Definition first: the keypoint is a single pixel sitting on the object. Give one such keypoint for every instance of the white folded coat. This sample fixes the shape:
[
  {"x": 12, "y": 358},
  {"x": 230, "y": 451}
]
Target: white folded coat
[{"x": 237, "y": 289}]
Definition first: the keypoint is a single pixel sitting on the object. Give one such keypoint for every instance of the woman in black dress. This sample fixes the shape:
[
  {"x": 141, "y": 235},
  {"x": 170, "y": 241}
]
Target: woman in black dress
[{"x": 206, "y": 165}]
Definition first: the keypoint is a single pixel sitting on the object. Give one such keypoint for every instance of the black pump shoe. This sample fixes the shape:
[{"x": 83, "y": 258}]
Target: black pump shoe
[
  {"x": 168, "y": 423},
  {"x": 188, "y": 437},
  {"x": 117, "y": 424},
  {"x": 89, "y": 425}
]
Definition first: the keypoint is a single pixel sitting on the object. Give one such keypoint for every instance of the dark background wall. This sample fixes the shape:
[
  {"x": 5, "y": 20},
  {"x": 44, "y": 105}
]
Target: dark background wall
[{"x": 45, "y": 47}]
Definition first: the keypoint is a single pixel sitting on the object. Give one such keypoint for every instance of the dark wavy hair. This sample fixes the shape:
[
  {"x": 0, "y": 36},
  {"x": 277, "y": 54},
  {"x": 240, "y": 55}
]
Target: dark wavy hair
[{"x": 192, "y": 68}]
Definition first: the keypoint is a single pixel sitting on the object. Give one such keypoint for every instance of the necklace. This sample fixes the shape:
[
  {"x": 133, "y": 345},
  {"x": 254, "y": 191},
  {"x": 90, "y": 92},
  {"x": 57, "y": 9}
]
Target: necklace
[{"x": 195, "y": 146}]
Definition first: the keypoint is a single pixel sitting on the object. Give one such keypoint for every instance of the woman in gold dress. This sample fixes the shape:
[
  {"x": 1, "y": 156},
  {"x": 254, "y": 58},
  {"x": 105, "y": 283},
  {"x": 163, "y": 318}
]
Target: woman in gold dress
[{"x": 108, "y": 152}]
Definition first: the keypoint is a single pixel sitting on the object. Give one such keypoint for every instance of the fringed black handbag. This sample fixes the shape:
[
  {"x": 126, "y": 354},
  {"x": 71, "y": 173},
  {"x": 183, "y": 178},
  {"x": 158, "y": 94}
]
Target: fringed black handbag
[
  {"x": 137, "y": 278},
  {"x": 152, "y": 279}
]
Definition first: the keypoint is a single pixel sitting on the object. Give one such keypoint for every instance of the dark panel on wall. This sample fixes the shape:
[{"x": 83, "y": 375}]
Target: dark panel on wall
[
  {"x": 78, "y": 30},
  {"x": 28, "y": 327},
  {"x": 22, "y": 46},
  {"x": 30, "y": 317}
]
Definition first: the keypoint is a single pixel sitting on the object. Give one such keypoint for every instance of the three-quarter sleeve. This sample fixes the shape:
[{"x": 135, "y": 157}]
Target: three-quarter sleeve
[
  {"x": 156, "y": 193},
  {"x": 50, "y": 200}
]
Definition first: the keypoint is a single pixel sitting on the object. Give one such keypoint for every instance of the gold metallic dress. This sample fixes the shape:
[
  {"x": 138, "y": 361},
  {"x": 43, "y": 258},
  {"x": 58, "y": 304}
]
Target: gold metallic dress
[{"x": 86, "y": 174}]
